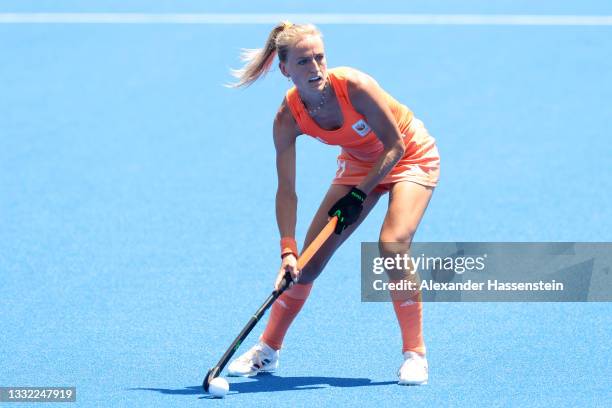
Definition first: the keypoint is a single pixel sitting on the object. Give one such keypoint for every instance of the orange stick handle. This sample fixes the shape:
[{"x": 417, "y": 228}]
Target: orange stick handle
[{"x": 317, "y": 243}]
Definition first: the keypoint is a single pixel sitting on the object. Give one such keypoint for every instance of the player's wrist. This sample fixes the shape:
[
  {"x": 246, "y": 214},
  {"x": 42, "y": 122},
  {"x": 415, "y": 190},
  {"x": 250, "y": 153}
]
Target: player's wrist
[
  {"x": 358, "y": 194},
  {"x": 288, "y": 247},
  {"x": 288, "y": 254}
]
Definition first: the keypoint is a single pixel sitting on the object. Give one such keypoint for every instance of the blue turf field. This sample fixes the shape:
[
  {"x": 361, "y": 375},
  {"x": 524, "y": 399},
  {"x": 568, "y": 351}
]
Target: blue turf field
[{"x": 129, "y": 260}]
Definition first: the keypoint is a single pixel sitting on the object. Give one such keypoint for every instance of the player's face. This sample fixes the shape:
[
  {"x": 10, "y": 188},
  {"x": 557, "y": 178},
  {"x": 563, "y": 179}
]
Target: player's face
[{"x": 306, "y": 64}]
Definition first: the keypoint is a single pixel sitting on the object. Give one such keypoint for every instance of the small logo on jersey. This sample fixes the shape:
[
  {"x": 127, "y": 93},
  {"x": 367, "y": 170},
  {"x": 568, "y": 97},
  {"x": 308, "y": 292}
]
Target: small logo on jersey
[{"x": 361, "y": 127}]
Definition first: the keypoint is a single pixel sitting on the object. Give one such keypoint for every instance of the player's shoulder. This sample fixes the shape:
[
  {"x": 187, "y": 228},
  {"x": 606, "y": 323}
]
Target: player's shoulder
[
  {"x": 359, "y": 84},
  {"x": 351, "y": 75},
  {"x": 283, "y": 114},
  {"x": 356, "y": 80},
  {"x": 284, "y": 119}
]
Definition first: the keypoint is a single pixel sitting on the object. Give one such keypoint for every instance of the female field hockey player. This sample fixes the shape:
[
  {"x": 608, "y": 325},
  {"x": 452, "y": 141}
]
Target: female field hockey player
[{"x": 385, "y": 149}]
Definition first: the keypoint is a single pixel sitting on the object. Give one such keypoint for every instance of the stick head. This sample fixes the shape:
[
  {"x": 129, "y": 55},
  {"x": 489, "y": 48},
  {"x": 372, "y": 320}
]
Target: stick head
[{"x": 212, "y": 373}]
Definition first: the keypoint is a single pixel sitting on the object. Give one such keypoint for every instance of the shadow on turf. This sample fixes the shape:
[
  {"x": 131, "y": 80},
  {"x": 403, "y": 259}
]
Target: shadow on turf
[{"x": 268, "y": 382}]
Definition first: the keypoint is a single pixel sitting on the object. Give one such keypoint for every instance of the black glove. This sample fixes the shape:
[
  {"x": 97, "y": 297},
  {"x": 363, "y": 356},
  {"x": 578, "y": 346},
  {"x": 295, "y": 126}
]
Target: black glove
[{"x": 348, "y": 209}]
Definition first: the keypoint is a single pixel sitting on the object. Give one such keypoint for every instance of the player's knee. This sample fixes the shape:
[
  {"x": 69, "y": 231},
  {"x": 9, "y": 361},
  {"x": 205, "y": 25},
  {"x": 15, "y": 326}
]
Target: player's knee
[
  {"x": 392, "y": 244},
  {"x": 395, "y": 243}
]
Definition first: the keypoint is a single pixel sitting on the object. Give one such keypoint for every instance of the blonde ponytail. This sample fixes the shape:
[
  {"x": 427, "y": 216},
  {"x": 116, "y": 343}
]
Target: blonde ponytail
[{"x": 258, "y": 61}]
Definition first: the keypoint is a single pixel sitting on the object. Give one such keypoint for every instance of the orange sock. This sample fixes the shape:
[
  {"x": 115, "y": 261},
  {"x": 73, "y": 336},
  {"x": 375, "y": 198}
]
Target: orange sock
[
  {"x": 284, "y": 310},
  {"x": 409, "y": 312}
]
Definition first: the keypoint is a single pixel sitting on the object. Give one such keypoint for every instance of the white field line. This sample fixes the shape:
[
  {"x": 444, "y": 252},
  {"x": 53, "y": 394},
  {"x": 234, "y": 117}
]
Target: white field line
[{"x": 355, "y": 19}]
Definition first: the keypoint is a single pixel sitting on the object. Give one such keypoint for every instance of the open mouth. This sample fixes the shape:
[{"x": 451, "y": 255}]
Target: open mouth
[{"x": 315, "y": 79}]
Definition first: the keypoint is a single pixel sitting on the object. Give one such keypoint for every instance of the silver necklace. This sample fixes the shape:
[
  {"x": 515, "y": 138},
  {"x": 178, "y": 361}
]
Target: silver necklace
[{"x": 316, "y": 110}]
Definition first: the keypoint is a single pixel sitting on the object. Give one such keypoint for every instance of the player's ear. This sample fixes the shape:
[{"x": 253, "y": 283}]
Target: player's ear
[{"x": 283, "y": 68}]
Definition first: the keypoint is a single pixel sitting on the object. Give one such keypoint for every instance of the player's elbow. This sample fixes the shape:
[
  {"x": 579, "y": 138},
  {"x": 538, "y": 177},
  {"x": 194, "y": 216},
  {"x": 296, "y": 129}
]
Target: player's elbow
[
  {"x": 286, "y": 192},
  {"x": 397, "y": 147},
  {"x": 400, "y": 146}
]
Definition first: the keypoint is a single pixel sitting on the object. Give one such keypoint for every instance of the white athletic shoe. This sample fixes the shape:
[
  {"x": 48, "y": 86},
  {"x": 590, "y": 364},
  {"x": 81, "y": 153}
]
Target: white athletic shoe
[
  {"x": 414, "y": 371},
  {"x": 260, "y": 358}
]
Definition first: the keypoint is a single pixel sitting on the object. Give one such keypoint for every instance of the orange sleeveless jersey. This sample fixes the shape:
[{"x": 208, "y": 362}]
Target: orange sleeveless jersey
[{"x": 361, "y": 148}]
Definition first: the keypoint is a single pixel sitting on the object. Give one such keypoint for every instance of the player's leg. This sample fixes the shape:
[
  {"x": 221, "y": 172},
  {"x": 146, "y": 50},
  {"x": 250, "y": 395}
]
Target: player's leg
[
  {"x": 407, "y": 204},
  {"x": 263, "y": 357},
  {"x": 286, "y": 308},
  {"x": 316, "y": 265}
]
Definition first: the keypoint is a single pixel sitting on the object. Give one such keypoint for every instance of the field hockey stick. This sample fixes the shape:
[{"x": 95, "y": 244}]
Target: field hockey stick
[{"x": 306, "y": 255}]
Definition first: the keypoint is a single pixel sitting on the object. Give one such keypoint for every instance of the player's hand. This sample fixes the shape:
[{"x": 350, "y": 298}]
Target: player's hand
[
  {"x": 347, "y": 209},
  {"x": 289, "y": 263}
]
